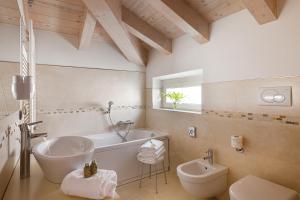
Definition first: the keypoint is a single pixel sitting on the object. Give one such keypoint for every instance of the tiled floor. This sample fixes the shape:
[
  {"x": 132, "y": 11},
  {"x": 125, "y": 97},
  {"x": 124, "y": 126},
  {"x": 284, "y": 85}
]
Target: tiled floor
[
  {"x": 38, "y": 188},
  {"x": 170, "y": 191}
]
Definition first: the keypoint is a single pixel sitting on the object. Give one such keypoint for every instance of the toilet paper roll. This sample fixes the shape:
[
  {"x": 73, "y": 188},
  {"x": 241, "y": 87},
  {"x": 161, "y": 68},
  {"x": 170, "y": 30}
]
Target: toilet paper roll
[{"x": 237, "y": 141}]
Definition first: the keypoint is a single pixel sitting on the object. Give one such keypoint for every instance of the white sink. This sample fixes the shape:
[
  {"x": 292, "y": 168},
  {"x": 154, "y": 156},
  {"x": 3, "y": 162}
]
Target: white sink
[
  {"x": 201, "y": 179},
  {"x": 59, "y": 156}
]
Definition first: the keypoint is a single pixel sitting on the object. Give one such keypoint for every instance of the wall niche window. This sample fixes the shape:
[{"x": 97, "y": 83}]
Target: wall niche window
[{"x": 178, "y": 92}]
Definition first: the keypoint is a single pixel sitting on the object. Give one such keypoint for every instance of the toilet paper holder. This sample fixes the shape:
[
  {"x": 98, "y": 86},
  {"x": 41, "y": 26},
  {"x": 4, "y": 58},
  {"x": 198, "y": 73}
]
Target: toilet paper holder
[{"x": 237, "y": 143}]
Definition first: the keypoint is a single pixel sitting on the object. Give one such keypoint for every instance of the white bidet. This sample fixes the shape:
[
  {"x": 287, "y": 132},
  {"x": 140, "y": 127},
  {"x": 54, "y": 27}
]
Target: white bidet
[{"x": 201, "y": 179}]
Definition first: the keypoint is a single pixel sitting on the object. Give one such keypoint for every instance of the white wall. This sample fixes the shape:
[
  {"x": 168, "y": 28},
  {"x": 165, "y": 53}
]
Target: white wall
[
  {"x": 54, "y": 49},
  {"x": 239, "y": 48}
]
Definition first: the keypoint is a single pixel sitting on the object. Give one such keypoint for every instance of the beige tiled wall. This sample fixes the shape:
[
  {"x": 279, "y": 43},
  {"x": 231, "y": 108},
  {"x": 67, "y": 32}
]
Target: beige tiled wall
[
  {"x": 272, "y": 147},
  {"x": 240, "y": 96},
  {"x": 7, "y": 104},
  {"x": 9, "y": 131},
  {"x": 9, "y": 148},
  {"x": 69, "y": 100}
]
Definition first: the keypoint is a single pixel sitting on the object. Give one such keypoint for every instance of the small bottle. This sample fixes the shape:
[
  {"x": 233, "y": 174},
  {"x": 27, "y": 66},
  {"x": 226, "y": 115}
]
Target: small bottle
[
  {"x": 93, "y": 167},
  {"x": 87, "y": 171}
]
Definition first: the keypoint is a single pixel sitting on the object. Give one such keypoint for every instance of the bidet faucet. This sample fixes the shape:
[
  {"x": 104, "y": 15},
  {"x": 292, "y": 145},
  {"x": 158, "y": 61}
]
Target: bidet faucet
[
  {"x": 26, "y": 137},
  {"x": 209, "y": 156}
]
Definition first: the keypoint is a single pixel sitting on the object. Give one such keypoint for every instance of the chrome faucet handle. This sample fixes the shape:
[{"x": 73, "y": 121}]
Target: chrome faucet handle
[
  {"x": 34, "y": 123},
  {"x": 36, "y": 135},
  {"x": 24, "y": 127}
]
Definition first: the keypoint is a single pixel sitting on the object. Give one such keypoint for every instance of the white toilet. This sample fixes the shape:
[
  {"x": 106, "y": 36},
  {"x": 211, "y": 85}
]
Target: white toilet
[{"x": 254, "y": 188}]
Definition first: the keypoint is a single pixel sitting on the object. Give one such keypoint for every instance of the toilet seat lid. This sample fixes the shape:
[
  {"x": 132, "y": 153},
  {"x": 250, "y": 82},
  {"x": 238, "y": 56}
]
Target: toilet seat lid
[{"x": 252, "y": 187}]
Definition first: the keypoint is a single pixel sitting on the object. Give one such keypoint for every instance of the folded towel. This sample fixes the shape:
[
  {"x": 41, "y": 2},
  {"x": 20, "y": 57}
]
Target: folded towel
[
  {"x": 151, "y": 160},
  {"x": 99, "y": 186},
  {"x": 155, "y": 154},
  {"x": 151, "y": 146}
]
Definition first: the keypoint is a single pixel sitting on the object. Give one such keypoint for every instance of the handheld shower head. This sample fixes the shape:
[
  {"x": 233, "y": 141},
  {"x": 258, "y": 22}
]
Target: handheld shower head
[{"x": 110, "y": 103}]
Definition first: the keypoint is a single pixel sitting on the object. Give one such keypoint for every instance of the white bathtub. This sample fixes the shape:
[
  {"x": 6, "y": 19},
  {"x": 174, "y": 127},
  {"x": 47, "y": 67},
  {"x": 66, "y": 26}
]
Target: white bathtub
[{"x": 112, "y": 153}]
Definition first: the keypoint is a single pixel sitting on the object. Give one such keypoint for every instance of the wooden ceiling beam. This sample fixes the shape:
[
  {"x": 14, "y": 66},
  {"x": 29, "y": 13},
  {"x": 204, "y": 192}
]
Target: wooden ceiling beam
[
  {"x": 146, "y": 32},
  {"x": 108, "y": 14},
  {"x": 184, "y": 17},
  {"x": 263, "y": 11},
  {"x": 88, "y": 30}
]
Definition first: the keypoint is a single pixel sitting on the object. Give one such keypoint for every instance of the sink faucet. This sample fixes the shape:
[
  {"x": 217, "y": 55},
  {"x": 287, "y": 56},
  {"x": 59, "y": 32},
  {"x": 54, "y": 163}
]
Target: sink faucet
[
  {"x": 26, "y": 137},
  {"x": 209, "y": 156}
]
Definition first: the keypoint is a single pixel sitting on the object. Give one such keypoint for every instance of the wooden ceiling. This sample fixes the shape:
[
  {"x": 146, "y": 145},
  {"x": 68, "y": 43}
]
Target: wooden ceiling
[
  {"x": 130, "y": 23},
  {"x": 61, "y": 16},
  {"x": 213, "y": 10}
]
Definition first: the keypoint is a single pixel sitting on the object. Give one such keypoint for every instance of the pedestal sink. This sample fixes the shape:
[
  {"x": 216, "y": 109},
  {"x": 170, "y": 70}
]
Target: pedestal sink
[
  {"x": 201, "y": 179},
  {"x": 59, "y": 156}
]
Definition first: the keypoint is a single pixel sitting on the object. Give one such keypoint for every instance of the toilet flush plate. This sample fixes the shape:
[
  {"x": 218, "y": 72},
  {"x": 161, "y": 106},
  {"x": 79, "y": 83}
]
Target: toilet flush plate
[{"x": 275, "y": 96}]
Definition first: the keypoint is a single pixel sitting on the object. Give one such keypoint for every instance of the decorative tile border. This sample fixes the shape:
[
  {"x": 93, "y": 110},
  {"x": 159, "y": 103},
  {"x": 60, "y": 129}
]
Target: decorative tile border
[
  {"x": 283, "y": 119},
  {"x": 10, "y": 131},
  {"x": 8, "y": 128},
  {"x": 87, "y": 109}
]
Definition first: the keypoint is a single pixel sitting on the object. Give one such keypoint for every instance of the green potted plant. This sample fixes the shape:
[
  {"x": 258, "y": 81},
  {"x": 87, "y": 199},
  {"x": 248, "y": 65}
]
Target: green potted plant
[{"x": 175, "y": 97}]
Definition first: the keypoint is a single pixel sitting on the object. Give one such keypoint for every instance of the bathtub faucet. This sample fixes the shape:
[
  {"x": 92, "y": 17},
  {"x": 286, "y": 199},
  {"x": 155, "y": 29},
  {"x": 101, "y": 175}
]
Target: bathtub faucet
[
  {"x": 127, "y": 124},
  {"x": 120, "y": 125},
  {"x": 110, "y": 103},
  {"x": 26, "y": 137}
]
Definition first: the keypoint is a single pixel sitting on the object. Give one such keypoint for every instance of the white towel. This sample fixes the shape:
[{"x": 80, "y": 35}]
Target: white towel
[
  {"x": 151, "y": 146},
  {"x": 155, "y": 154},
  {"x": 151, "y": 160},
  {"x": 99, "y": 186}
]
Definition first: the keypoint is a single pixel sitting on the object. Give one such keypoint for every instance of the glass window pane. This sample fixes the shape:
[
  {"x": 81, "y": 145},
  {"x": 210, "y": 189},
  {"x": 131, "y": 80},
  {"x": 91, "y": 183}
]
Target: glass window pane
[{"x": 192, "y": 95}]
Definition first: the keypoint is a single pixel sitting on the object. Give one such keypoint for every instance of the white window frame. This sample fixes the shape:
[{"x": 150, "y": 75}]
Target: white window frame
[{"x": 181, "y": 79}]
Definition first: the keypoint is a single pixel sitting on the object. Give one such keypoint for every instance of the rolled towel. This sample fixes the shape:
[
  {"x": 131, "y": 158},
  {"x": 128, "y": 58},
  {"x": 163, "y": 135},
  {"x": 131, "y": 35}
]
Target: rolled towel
[
  {"x": 151, "y": 146},
  {"x": 155, "y": 154},
  {"x": 99, "y": 186}
]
